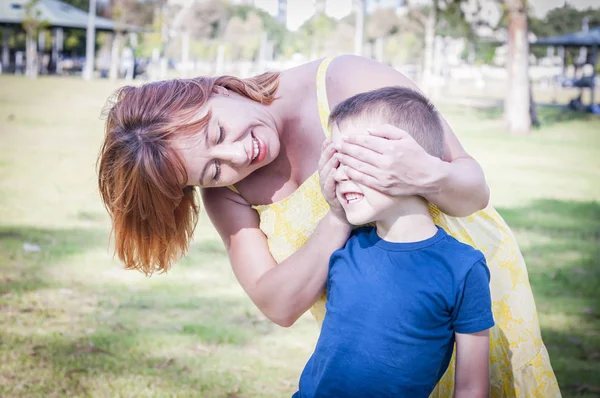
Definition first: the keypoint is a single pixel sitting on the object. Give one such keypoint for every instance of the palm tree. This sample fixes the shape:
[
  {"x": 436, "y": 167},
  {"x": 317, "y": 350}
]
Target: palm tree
[{"x": 518, "y": 96}]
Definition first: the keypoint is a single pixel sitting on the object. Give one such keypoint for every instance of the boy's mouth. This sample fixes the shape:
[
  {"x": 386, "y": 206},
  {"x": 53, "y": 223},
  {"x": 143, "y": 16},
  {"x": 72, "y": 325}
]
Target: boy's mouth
[{"x": 353, "y": 197}]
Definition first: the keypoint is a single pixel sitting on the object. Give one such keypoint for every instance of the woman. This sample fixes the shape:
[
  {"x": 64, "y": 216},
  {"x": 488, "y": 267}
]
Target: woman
[{"x": 253, "y": 146}]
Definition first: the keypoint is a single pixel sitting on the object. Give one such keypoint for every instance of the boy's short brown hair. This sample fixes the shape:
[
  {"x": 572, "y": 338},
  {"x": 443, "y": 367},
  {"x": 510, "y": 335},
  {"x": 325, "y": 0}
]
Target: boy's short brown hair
[{"x": 399, "y": 106}]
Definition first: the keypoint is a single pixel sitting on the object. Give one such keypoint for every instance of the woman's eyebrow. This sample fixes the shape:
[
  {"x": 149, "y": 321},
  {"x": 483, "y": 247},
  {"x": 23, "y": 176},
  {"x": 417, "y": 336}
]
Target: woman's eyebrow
[{"x": 203, "y": 173}]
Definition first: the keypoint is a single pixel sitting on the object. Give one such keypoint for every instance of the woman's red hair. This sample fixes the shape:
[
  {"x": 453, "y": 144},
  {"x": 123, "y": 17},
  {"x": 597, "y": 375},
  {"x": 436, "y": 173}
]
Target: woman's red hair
[{"x": 142, "y": 178}]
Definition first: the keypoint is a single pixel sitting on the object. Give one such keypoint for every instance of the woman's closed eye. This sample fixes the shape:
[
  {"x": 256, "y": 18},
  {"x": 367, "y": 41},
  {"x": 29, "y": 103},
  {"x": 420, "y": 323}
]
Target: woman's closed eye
[
  {"x": 217, "y": 171},
  {"x": 221, "y": 135}
]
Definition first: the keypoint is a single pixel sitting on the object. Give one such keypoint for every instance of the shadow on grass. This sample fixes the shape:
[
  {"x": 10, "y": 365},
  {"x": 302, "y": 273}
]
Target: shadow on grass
[
  {"x": 26, "y": 252},
  {"x": 119, "y": 362},
  {"x": 71, "y": 335},
  {"x": 560, "y": 241}
]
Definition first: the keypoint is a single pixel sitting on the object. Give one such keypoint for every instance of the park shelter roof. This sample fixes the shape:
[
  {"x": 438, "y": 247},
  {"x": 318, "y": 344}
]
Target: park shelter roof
[
  {"x": 54, "y": 12},
  {"x": 577, "y": 39}
]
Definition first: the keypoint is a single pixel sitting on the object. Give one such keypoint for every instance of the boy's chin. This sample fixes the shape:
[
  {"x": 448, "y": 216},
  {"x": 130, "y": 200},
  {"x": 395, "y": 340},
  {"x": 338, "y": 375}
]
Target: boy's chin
[{"x": 357, "y": 220}]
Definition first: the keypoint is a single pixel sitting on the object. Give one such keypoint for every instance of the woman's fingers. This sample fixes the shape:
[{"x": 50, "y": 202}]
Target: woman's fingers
[
  {"x": 329, "y": 184},
  {"x": 375, "y": 144},
  {"x": 328, "y": 167},
  {"x": 359, "y": 152},
  {"x": 326, "y": 154},
  {"x": 364, "y": 179},
  {"x": 389, "y": 132},
  {"x": 358, "y": 165}
]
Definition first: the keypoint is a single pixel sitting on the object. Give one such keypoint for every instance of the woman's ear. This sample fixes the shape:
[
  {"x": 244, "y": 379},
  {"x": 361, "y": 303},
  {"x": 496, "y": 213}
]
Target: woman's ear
[{"x": 220, "y": 90}]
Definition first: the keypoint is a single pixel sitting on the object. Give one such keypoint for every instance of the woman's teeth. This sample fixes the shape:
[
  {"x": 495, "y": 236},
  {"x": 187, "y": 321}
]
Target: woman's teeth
[
  {"x": 255, "y": 148},
  {"x": 353, "y": 197}
]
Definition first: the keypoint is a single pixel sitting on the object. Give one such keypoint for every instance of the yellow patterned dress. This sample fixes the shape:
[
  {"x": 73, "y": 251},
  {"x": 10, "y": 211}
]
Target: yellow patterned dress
[{"x": 519, "y": 362}]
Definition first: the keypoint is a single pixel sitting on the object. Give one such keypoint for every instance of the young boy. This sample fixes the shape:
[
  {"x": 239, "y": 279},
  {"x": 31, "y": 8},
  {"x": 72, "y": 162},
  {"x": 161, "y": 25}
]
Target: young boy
[{"x": 400, "y": 294}]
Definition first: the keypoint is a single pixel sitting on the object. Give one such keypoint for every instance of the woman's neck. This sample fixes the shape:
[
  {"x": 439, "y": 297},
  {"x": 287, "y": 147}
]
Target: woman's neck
[{"x": 291, "y": 95}]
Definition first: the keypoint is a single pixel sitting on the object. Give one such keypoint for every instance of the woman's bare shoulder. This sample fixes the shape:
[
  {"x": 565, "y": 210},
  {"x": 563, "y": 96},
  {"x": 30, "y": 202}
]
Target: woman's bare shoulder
[{"x": 349, "y": 75}]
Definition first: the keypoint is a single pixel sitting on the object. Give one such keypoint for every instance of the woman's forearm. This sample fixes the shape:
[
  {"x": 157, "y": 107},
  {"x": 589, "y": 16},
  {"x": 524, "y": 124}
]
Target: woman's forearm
[
  {"x": 293, "y": 286},
  {"x": 459, "y": 188}
]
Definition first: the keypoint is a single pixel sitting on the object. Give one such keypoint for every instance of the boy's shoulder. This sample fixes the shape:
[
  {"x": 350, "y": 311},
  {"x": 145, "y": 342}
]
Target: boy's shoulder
[
  {"x": 457, "y": 257},
  {"x": 359, "y": 238},
  {"x": 449, "y": 245}
]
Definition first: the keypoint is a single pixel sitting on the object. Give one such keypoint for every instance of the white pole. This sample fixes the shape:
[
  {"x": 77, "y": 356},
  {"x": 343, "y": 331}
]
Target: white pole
[
  {"x": 90, "y": 43},
  {"x": 360, "y": 22}
]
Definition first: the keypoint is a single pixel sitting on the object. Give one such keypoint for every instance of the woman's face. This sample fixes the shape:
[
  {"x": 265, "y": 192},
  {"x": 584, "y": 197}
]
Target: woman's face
[{"x": 240, "y": 138}]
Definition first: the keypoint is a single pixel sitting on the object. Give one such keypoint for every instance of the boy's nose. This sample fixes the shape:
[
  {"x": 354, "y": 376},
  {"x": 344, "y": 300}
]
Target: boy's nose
[{"x": 340, "y": 174}]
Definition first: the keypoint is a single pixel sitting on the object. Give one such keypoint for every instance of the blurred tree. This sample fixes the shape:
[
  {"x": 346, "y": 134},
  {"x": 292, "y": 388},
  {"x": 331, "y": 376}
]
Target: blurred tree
[
  {"x": 244, "y": 36},
  {"x": 314, "y": 33},
  {"x": 447, "y": 17},
  {"x": 560, "y": 21},
  {"x": 518, "y": 102},
  {"x": 341, "y": 40},
  {"x": 381, "y": 23},
  {"x": 81, "y": 4},
  {"x": 202, "y": 20},
  {"x": 276, "y": 32},
  {"x": 450, "y": 18},
  {"x": 312, "y": 36},
  {"x": 32, "y": 24}
]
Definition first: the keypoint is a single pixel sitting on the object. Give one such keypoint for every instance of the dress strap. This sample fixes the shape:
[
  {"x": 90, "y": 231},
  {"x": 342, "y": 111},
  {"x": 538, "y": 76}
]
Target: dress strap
[
  {"x": 233, "y": 188},
  {"x": 322, "y": 102}
]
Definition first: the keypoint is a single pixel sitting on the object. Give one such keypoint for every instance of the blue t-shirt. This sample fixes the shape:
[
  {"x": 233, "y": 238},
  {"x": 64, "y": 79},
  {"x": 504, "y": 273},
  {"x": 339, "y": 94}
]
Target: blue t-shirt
[{"x": 392, "y": 311}]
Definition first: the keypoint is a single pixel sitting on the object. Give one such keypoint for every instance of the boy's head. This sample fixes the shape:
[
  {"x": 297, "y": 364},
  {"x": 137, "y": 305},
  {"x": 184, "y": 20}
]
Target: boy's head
[{"x": 400, "y": 107}]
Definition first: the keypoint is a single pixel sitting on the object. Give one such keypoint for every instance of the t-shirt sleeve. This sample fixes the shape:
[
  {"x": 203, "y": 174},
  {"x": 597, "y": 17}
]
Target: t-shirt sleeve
[{"x": 473, "y": 308}]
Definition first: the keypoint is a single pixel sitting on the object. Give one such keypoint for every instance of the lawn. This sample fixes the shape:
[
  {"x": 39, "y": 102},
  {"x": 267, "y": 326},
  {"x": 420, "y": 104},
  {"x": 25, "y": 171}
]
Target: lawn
[{"x": 74, "y": 323}]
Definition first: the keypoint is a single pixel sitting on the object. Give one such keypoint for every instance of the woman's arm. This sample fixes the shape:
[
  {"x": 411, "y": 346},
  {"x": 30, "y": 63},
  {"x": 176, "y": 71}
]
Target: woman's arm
[
  {"x": 284, "y": 291},
  {"x": 456, "y": 185},
  {"x": 472, "y": 377}
]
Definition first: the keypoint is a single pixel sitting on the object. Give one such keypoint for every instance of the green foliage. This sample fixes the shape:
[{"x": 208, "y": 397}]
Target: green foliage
[
  {"x": 403, "y": 47},
  {"x": 244, "y": 36},
  {"x": 74, "y": 40},
  {"x": 314, "y": 33},
  {"x": 452, "y": 21},
  {"x": 81, "y": 4},
  {"x": 32, "y": 23},
  {"x": 484, "y": 52},
  {"x": 563, "y": 20},
  {"x": 276, "y": 32},
  {"x": 560, "y": 21}
]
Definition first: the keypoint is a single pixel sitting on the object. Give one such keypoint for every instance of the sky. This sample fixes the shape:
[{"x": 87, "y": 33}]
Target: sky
[{"x": 299, "y": 11}]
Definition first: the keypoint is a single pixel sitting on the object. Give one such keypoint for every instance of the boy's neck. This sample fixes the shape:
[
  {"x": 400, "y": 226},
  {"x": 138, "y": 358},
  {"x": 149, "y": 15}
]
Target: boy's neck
[{"x": 409, "y": 222}]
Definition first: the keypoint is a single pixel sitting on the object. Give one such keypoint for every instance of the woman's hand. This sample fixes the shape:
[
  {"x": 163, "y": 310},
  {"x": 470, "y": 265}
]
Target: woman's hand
[
  {"x": 328, "y": 164},
  {"x": 389, "y": 160}
]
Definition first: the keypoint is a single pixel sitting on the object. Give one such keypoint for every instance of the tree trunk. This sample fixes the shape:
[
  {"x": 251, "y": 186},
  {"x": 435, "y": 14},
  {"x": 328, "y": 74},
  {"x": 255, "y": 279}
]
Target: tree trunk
[
  {"x": 430, "y": 22},
  {"x": 31, "y": 68},
  {"x": 185, "y": 54},
  {"x": 379, "y": 49},
  {"x": 535, "y": 121},
  {"x": 360, "y": 26},
  {"x": 517, "y": 102},
  {"x": 113, "y": 72}
]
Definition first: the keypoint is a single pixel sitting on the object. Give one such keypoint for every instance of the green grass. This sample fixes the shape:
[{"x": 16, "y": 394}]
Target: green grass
[{"x": 75, "y": 324}]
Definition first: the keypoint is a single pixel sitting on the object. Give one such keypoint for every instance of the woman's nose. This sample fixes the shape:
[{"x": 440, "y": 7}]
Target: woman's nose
[
  {"x": 233, "y": 153},
  {"x": 340, "y": 174}
]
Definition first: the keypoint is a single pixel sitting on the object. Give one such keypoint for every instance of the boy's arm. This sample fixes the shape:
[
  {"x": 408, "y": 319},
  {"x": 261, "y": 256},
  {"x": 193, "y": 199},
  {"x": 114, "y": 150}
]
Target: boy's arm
[
  {"x": 472, "y": 379},
  {"x": 473, "y": 319}
]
